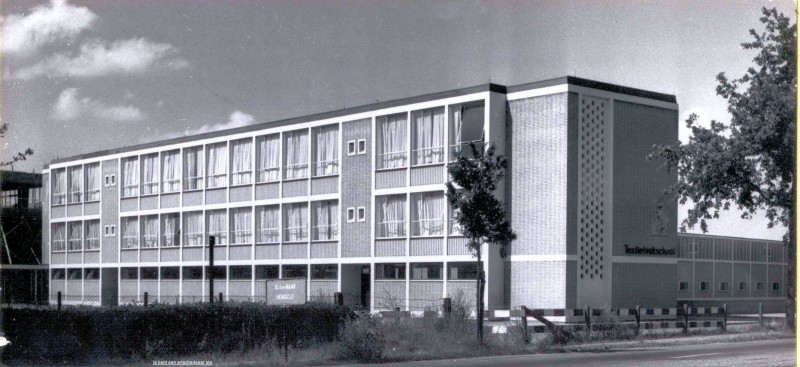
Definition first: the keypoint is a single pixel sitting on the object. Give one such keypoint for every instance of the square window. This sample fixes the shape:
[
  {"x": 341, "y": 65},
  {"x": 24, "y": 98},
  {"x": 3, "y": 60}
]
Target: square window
[
  {"x": 683, "y": 286},
  {"x": 776, "y": 286},
  {"x": 703, "y": 286},
  {"x": 351, "y": 215},
  {"x": 742, "y": 286},
  {"x": 723, "y": 286},
  {"x": 759, "y": 286},
  {"x": 351, "y": 147},
  {"x": 362, "y": 214},
  {"x": 362, "y": 146}
]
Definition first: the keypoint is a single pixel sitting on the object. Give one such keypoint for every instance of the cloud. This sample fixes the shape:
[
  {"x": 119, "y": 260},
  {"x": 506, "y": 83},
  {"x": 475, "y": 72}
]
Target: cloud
[
  {"x": 23, "y": 35},
  {"x": 96, "y": 58},
  {"x": 70, "y": 106},
  {"x": 236, "y": 119}
]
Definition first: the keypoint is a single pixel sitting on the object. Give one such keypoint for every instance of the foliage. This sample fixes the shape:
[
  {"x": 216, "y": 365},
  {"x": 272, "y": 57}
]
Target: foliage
[
  {"x": 20, "y": 156},
  {"x": 360, "y": 341}
]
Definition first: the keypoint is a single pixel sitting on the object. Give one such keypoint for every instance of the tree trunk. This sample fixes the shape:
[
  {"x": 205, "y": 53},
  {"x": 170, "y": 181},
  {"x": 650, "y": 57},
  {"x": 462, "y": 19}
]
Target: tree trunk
[
  {"x": 479, "y": 298},
  {"x": 791, "y": 261}
]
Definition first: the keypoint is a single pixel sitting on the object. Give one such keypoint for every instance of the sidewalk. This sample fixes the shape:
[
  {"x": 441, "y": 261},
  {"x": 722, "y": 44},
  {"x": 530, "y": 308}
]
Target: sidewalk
[{"x": 677, "y": 340}]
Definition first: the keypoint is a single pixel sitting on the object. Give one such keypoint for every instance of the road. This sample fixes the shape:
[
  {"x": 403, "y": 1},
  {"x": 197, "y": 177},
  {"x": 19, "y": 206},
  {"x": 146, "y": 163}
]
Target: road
[{"x": 755, "y": 353}]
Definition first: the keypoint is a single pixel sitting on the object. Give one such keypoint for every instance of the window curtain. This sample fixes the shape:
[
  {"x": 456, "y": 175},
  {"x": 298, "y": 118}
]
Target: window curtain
[
  {"x": 296, "y": 155},
  {"x": 194, "y": 229},
  {"x": 150, "y": 231},
  {"x": 59, "y": 237},
  {"x": 150, "y": 175},
  {"x": 268, "y": 226},
  {"x": 75, "y": 185},
  {"x": 130, "y": 233},
  {"x": 455, "y": 139},
  {"x": 171, "y": 231},
  {"x": 430, "y": 210},
  {"x": 92, "y": 235},
  {"x": 393, "y": 212},
  {"x": 242, "y": 162},
  {"x": 59, "y": 187},
  {"x": 393, "y": 142},
  {"x": 327, "y": 218},
  {"x": 327, "y": 151},
  {"x": 269, "y": 159},
  {"x": 429, "y": 136},
  {"x": 171, "y": 171},
  {"x": 193, "y": 169},
  {"x": 75, "y": 236},
  {"x": 218, "y": 226},
  {"x": 217, "y": 165},
  {"x": 297, "y": 223},
  {"x": 242, "y": 226},
  {"x": 93, "y": 182},
  {"x": 130, "y": 181}
]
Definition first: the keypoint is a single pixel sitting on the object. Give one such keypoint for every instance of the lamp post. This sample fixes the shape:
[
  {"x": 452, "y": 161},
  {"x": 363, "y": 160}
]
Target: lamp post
[{"x": 211, "y": 242}]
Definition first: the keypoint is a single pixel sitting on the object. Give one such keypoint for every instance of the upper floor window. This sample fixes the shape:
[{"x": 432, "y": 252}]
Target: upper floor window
[
  {"x": 34, "y": 197},
  {"x": 326, "y": 220},
  {"x": 391, "y": 141},
  {"x": 10, "y": 198},
  {"x": 59, "y": 237},
  {"x": 268, "y": 224},
  {"x": 170, "y": 229},
  {"x": 75, "y": 236},
  {"x": 93, "y": 235},
  {"x": 193, "y": 225},
  {"x": 326, "y": 155},
  {"x": 427, "y": 214},
  {"x": 455, "y": 227},
  {"x": 217, "y": 165},
  {"x": 242, "y": 162},
  {"x": 218, "y": 226},
  {"x": 130, "y": 177},
  {"x": 269, "y": 158},
  {"x": 466, "y": 126},
  {"x": 149, "y": 231},
  {"x": 75, "y": 175},
  {"x": 296, "y": 152},
  {"x": 171, "y": 171},
  {"x": 150, "y": 180},
  {"x": 242, "y": 225},
  {"x": 391, "y": 212},
  {"x": 93, "y": 182},
  {"x": 59, "y": 194},
  {"x": 427, "y": 139},
  {"x": 296, "y": 224},
  {"x": 193, "y": 168},
  {"x": 130, "y": 233}
]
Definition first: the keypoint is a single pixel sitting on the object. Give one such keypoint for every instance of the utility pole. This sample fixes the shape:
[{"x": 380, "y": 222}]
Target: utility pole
[{"x": 211, "y": 242}]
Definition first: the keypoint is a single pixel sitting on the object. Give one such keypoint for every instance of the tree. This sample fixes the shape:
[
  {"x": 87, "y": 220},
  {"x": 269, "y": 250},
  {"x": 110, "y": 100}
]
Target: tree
[
  {"x": 748, "y": 162},
  {"x": 480, "y": 215},
  {"x": 21, "y": 156}
]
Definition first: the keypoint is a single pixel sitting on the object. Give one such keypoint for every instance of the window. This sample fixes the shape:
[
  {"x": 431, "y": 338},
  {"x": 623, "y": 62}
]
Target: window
[
  {"x": 59, "y": 237},
  {"x": 149, "y": 231},
  {"x": 113, "y": 230},
  {"x": 170, "y": 273},
  {"x": 242, "y": 162},
  {"x": 683, "y": 286},
  {"x": 75, "y": 236},
  {"x": 462, "y": 271},
  {"x": 91, "y": 274},
  {"x": 723, "y": 286},
  {"x": 170, "y": 229},
  {"x": 326, "y": 155},
  {"x": 129, "y": 273},
  {"x": 171, "y": 171},
  {"x": 269, "y": 158},
  {"x": 93, "y": 235},
  {"x": 218, "y": 226},
  {"x": 362, "y": 146},
  {"x": 326, "y": 220},
  {"x": 74, "y": 274},
  {"x": 75, "y": 175},
  {"x": 266, "y": 272},
  {"x": 242, "y": 225},
  {"x": 57, "y": 274},
  {"x": 241, "y": 272},
  {"x": 759, "y": 286},
  {"x": 93, "y": 182},
  {"x": 324, "y": 271},
  {"x": 296, "y": 223},
  {"x": 217, "y": 165},
  {"x": 130, "y": 177},
  {"x": 149, "y": 273},
  {"x": 150, "y": 179},
  {"x": 59, "y": 187},
  {"x": 390, "y": 271},
  {"x": 362, "y": 214},
  {"x": 391, "y": 221},
  {"x": 455, "y": 227},
  {"x": 776, "y": 286},
  {"x": 427, "y": 214},
  {"x": 34, "y": 197},
  {"x": 391, "y": 140},
  {"x": 427, "y": 142},
  {"x": 466, "y": 126},
  {"x": 351, "y": 214},
  {"x": 742, "y": 286},
  {"x": 130, "y": 232},
  {"x": 295, "y": 271},
  {"x": 267, "y": 222},
  {"x": 10, "y": 198},
  {"x": 703, "y": 286},
  {"x": 192, "y": 272},
  {"x": 219, "y": 272},
  {"x": 111, "y": 180},
  {"x": 193, "y": 168},
  {"x": 296, "y": 153},
  {"x": 193, "y": 225},
  {"x": 426, "y": 271},
  {"x": 351, "y": 147}
]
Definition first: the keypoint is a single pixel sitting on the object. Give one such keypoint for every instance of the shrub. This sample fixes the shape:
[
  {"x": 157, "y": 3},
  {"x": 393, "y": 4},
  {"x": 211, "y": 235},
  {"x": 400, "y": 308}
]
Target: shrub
[{"x": 360, "y": 341}]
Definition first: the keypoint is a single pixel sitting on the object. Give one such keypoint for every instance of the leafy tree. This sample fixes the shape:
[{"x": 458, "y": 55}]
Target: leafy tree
[
  {"x": 748, "y": 162},
  {"x": 480, "y": 215},
  {"x": 21, "y": 156}
]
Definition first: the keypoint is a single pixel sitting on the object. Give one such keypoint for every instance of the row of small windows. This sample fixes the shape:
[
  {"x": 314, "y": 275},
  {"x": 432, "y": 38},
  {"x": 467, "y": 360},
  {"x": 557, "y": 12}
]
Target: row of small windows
[
  {"x": 12, "y": 199},
  {"x": 76, "y": 184},
  {"x": 731, "y": 249},
  {"x": 705, "y": 286},
  {"x": 76, "y": 236}
]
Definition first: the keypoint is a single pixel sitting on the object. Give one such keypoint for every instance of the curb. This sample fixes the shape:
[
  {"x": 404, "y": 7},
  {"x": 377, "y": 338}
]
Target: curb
[{"x": 649, "y": 343}]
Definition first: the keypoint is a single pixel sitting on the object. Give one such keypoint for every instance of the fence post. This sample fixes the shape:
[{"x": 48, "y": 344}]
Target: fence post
[
  {"x": 760, "y": 311},
  {"x": 638, "y": 311},
  {"x": 587, "y": 316},
  {"x": 59, "y": 300},
  {"x": 685, "y": 318},
  {"x": 145, "y": 299},
  {"x": 447, "y": 306},
  {"x": 220, "y": 297},
  {"x": 724, "y": 317},
  {"x": 525, "y": 324},
  {"x": 338, "y": 298}
]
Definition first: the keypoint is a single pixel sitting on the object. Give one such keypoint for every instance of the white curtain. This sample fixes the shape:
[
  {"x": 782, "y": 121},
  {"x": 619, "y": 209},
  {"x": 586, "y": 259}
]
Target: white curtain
[
  {"x": 150, "y": 174},
  {"x": 130, "y": 180},
  {"x": 296, "y": 154},
  {"x": 429, "y": 212},
  {"x": 268, "y": 224},
  {"x": 75, "y": 184},
  {"x": 217, "y": 165},
  {"x": 327, "y": 151},
  {"x": 171, "y": 230},
  {"x": 242, "y": 162},
  {"x": 193, "y": 168},
  {"x": 93, "y": 235},
  {"x": 93, "y": 182},
  {"x": 455, "y": 132},
  {"x": 392, "y": 149},
  {"x": 269, "y": 159},
  {"x": 393, "y": 214},
  {"x": 218, "y": 226},
  {"x": 327, "y": 220},
  {"x": 75, "y": 236},
  {"x": 59, "y": 236},
  {"x": 59, "y": 187},
  {"x": 429, "y": 136},
  {"x": 194, "y": 229},
  {"x": 130, "y": 233},
  {"x": 242, "y": 229},
  {"x": 297, "y": 222},
  {"x": 171, "y": 171},
  {"x": 150, "y": 231}
]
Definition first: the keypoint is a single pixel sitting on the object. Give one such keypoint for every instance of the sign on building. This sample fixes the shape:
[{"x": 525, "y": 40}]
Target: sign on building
[{"x": 283, "y": 292}]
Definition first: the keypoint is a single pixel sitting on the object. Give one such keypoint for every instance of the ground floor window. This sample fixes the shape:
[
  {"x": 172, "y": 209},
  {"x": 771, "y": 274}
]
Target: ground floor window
[
  {"x": 192, "y": 272},
  {"x": 324, "y": 271},
  {"x": 683, "y": 286},
  {"x": 462, "y": 271},
  {"x": 219, "y": 272},
  {"x": 426, "y": 271},
  {"x": 170, "y": 272},
  {"x": 390, "y": 271},
  {"x": 149, "y": 273},
  {"x": 243, "y": 272},
  {"x": 295, "y": 271},
  {"x": 129, "y": 273},
  {"x": 266, "y": 272}
]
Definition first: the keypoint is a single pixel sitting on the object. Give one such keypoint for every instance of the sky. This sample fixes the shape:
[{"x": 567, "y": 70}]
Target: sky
[{"x": 83, "y": 76}]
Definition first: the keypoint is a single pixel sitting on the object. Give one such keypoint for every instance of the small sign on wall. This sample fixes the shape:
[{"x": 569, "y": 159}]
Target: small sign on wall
[{"x": 282, "y": 292}]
